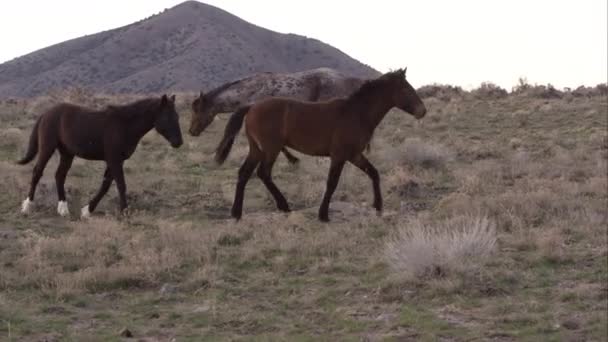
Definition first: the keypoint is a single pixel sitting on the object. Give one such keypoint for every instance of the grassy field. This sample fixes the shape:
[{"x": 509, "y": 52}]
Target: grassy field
[{"x": 494, "y": 229}]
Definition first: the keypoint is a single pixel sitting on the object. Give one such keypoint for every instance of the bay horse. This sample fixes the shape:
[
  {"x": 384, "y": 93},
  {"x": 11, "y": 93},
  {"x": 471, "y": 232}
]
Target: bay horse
[
  {"x": 111, "y": 134},
  {"x": 310, "y": 85},
  {"x": 339, "y": 128}
]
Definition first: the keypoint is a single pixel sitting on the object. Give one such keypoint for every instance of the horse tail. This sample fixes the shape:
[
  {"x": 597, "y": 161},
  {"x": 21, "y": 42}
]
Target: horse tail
[
  {"x": 32, "y": 147},
  {"x": 232, "y": 128}
]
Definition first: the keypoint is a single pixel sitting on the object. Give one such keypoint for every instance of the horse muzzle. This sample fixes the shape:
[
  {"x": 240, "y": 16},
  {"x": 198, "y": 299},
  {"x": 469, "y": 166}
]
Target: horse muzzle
[
  {"x": 420, "y": 112},
  {"x": 195, "y": 132},
  {"x": 177, "y": 143}
]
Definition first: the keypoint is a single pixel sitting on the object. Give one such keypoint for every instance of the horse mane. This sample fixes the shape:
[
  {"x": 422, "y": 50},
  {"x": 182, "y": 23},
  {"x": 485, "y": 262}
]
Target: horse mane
[
  {"x": 370, "y": 86},
  {"x": 218, "y": 90},
  {"x": 213, "y": 93}
]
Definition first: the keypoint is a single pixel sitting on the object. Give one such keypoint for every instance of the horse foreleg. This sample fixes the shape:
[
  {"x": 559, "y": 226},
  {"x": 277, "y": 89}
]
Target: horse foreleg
[
  {"x": 364, "y": 165},
  {"x": 244, "y": 174},
  {"x": 335, "y": 169},
  {"x": 65, "y": 162},
  {"x": 118, "y": 175},
  {"x": 86, "y": 211}
]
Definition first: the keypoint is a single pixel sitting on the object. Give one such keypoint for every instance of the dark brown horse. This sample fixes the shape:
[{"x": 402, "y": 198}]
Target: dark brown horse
[
  {"x": 111, "y": 135},
  {"x": 339, "y": 128}
]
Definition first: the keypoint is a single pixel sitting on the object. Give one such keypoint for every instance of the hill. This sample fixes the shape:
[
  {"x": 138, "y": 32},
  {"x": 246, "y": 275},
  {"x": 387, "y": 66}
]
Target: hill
[{"x": 188, "y": 47}]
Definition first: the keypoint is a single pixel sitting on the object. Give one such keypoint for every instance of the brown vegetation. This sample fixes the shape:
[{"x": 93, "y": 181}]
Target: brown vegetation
[{"x": 494, "y": 229}]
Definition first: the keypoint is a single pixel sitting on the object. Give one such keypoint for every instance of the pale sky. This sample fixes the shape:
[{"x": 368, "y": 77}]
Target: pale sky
[{"x": 465, "y": 42}]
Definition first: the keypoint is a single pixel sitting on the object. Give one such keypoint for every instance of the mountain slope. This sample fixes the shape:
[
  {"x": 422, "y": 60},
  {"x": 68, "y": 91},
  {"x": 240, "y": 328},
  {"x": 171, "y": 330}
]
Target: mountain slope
[{"x": 188, "y": 47}]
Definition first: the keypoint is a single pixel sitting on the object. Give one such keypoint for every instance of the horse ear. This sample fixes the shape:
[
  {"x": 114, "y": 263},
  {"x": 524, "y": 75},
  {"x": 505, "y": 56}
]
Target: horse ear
[
  {"x": 404, "y": 71},
  {"x": 173, "y": 98},
  {"x": 163, "y": 100}
]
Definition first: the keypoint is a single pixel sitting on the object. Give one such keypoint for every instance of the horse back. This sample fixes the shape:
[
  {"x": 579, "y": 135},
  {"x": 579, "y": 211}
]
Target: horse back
[
  {"x": 305, "y": 126},
  {"x": 78, "y": 130}
]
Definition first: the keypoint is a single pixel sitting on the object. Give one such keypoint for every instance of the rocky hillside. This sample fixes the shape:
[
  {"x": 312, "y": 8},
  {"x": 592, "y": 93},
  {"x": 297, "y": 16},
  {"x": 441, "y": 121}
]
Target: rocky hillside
[{"x": 188, "y": 47}]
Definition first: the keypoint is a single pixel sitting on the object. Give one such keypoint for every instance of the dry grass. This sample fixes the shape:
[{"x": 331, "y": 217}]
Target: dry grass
[
  {"x": 104, "y": 254},
  {"x": 530, "y": 267},
  {"x": 460, "y": 245},
  {"x": 417, "y": 153}
]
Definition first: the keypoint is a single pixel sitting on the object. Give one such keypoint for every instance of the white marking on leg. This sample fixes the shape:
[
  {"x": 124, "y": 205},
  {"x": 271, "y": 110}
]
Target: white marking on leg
[
  {"x": 26, "y": 206},
  {"x": 84, "y": 212},
  {"x": 62, "y": 208}
]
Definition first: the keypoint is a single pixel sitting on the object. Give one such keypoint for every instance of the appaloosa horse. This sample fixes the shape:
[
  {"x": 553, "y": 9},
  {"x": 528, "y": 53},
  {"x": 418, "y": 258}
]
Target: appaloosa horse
[
  {"x": 311, "y": 85},
  {"x": 111, "y": 135},
  {"x": 339, "y": 128}
]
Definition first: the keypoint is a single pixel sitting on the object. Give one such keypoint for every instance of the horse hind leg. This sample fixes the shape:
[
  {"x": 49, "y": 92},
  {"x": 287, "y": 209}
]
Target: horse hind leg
[
  {"x": 290, "y": 157},
  {"x": 65, "y": 162},
  {"x": 265, "y": 174},
  {"x": 44, "y": 154},
  {"x": 335, "y": 170}
]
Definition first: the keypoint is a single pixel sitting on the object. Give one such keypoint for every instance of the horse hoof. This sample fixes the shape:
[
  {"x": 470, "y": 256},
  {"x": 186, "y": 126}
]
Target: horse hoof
[
  {"x": 324, "y": 218},
  {"x": 26, "y": 206},
  {"x": 85, "y": 213},
  {"x": 62, "y": 208}
]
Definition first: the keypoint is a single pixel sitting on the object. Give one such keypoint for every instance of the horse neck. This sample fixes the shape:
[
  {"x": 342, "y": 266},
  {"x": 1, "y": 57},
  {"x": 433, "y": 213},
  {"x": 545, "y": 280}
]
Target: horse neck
[
  {"x": 373, "y": 109},
  {"x": 226, "y": 102},
  {"x": 139, "y": 125}
]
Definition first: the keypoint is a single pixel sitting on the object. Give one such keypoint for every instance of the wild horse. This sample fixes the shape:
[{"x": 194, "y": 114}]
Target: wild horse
[
  {"x": 339, "y": 128},
  {"x": 310, "y": 85},
  {"x": 111, "y": 134}
]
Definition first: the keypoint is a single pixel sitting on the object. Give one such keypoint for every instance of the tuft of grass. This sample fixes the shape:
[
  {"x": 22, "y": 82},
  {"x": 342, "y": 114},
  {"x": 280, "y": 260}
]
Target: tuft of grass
[
  {"x": 104, "y": 254},
  {"x": 459, "y": 245},
  {"x": 425, "y": 155}
]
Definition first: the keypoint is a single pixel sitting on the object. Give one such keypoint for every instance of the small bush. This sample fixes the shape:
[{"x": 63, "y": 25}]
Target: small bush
[
  {"x": 456, "y": 246},
  {"x": 428, "y": 156},
  {"x": 536, "y": 91},
  {"x": 489, "y": 90},
  {"x": 599, "y": 90},
  {"x": 440, "y": 91}
]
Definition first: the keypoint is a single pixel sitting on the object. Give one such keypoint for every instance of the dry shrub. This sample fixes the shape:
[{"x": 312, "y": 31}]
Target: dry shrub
[
  {"x": 404, "y": 183},
  {"x": 103, "y": 253},
  {"x": 488, "y": 90},
  {"x": 552, "y": 246},
  {"x": 440, "y": 91},
  {"x": 536, "y": 91},
  {"x": 456, "y": 246},
  {"x": 583, "y": 91},
  {"x": 12, "y": 110},
  {"x": 426, "y": 155},
  {"x": 480, "y": 178}
]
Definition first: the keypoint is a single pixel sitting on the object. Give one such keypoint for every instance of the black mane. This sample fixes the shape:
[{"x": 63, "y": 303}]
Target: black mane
[
  {"x": 370, "y": 86},
  {"x": 218, "y": 90}
]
